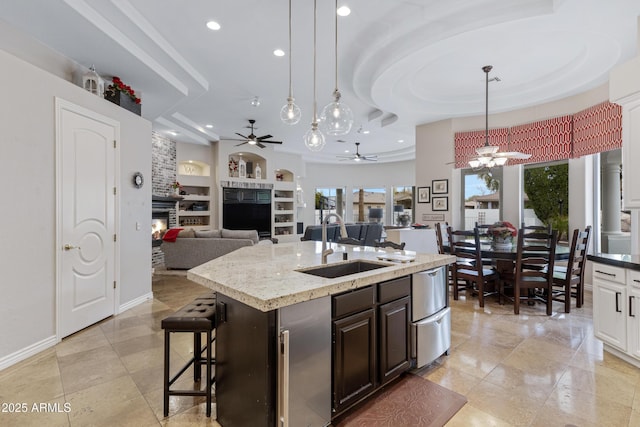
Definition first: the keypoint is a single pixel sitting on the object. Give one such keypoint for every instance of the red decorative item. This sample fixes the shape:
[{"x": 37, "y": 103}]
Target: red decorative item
[{"x": 123, "y": 95}]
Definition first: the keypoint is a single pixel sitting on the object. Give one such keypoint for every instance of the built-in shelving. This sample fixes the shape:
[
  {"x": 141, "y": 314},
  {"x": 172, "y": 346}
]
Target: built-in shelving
[
  {"x": 284, "y": 209},
  {"x": 195, "y": 209}
]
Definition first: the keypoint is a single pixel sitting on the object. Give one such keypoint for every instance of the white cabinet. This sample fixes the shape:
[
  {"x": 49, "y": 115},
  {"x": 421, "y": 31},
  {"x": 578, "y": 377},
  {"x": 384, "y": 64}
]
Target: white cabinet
[
  {"x": 630, "y": 150},
  {"x": 616, "y": 310},
  {"x": 633, "y": 313},
  {"x": 609, "y": 304}
]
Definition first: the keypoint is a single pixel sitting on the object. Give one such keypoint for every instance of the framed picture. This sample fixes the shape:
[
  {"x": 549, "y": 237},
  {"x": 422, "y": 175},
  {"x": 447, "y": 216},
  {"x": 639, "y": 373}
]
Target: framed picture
[
  {"x": 424, "y": 194},
  {"x": 440, "y": 186},
  {"x": 440, "y": 204}
]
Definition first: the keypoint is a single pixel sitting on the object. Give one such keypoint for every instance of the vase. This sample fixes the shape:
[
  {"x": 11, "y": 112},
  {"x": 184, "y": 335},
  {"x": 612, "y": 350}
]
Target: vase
[
  {"x": 176, "y": 191},
  {"x": 502, "y": 244},
  {"x": 123, "y": 100}
]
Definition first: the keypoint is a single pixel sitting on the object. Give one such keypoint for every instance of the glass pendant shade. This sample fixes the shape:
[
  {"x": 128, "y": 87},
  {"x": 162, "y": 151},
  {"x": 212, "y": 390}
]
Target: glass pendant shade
[
  {"x": 474, "y": 163},
  {"x": 487, "y": 150},
  {"x": 500, "y": 161},
  {"x": 336, "y": 118},
  {"x": 290, "y": 113},
  {"x": 314, "y": 139}
]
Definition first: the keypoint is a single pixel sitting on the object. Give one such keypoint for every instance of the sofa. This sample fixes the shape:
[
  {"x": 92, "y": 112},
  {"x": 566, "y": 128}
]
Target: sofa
[
  {"x": 367, "y": 233},
  {"x": 192, "y": 248}
]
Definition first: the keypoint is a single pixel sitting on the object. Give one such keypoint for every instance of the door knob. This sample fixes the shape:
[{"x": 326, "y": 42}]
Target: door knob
[{"x": 68, "y": 247}]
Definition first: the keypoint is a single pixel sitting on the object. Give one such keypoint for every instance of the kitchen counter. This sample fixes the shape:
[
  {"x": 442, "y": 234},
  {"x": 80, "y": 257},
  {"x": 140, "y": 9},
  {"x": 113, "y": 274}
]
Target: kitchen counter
[
  {"x": 266, "y": 277},
  {"x": 631, "y": 262}
]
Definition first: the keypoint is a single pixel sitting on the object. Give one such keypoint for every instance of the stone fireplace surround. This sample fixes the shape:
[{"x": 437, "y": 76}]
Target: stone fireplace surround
[{"x": 163, "y": 175}]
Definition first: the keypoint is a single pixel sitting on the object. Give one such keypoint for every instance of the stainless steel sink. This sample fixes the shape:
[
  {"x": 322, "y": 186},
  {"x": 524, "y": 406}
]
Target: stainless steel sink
[{"x": 340, "y": 269}]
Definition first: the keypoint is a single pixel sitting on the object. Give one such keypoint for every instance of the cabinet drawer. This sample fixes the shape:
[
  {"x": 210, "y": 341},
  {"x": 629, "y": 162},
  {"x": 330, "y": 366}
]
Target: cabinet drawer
[
  {"x": 394, "y": 289},
  {"x": 352, "y": 302},
  {"x": 609, "y": 273},
  {"x": 633, "y": 278}
]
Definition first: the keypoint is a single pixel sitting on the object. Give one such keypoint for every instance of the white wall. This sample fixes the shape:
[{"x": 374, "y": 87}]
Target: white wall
[{"x": 28, "y": 214}]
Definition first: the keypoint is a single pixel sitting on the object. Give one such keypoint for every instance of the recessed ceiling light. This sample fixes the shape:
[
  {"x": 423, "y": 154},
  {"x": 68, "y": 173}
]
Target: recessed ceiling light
[
  {"x": 278, "y": 52},
  {"x": 172, "y": 132},
  {"x": 209, "y": 126},
  {"x": 401, "y": 140},
  {"x": 213, "y": 25},
  {"x": 346, "y": 151},
  {"x": 344, "y": 11}
]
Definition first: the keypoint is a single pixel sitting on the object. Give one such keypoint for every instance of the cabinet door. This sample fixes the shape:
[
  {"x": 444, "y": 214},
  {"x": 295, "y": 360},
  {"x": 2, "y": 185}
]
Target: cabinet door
[
  {"x": 631, "y": 152},
  {"x": 394, "y": 339},
  {"x": 354, "y": 358},
  {"x": 609, "y": 313},
  {"x": 633, "y": 323}
]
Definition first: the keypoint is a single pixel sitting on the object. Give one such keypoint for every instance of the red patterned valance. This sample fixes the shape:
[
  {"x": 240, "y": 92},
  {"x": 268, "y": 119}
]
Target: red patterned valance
[
  {"x": 546, "y": 140},
  {"x": 465, "y": 144},
  {"x": 597, "y": 129}
]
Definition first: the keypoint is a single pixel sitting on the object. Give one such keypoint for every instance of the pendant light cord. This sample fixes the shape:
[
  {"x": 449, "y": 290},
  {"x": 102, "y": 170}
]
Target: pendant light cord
[
  {"x": 315, "y": 19},
  {"x": 486, "y": 105},
  {"x": 290, "y": 84},
  {"x": 336, "y": 44}
]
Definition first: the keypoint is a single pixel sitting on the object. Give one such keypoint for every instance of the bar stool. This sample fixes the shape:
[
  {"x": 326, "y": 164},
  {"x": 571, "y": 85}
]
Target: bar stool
[{"x": 197, "y": 317}]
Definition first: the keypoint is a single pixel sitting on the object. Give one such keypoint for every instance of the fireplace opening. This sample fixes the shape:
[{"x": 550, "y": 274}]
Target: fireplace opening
[{"x": 159, "y": 226}]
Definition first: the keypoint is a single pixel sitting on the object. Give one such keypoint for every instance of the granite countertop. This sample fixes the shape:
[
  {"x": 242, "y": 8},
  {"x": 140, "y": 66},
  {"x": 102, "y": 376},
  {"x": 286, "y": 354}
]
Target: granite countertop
[
  {"x": 265, "y": 277},
  {"x": 617, "y": 260}
]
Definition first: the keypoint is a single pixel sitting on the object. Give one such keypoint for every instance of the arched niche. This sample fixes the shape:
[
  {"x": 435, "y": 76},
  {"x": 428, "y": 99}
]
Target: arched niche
[{"x": 255, "y": 166}]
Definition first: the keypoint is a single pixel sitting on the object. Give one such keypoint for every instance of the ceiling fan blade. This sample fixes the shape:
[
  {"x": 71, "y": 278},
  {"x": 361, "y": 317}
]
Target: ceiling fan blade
[
  {"x": 272, "y": 142},
  {"x": 245, "y": 137},
  {"x": 513, "y": 155},
  {"x": 265, "y": 137},
  {"x": 246, "y": 142},
  {"x": 260, "y": 145}
]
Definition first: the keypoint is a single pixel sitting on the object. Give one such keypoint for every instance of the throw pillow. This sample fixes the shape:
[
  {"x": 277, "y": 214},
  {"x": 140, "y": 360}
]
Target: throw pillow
[
  {"x": 187, "y": 233},
  {"x": 208, "y": 234},
  {"x": 171, "y": 234}
]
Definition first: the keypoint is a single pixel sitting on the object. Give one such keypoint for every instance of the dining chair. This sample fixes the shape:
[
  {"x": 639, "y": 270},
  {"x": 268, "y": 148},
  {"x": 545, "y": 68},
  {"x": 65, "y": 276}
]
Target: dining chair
[
  {"x": 536, "y": 227},
  {"x": 465, "y": 245},
  {"x": 439, "y": 241},
  {"x": 389, "y": 244},
  {"x": 568, "y": 281},
  {"x": 533, "y": 272}
]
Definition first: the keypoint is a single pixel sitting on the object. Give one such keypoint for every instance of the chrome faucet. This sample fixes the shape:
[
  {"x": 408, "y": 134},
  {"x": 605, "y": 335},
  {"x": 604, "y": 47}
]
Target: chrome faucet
[{"x": 343, "y": 231}]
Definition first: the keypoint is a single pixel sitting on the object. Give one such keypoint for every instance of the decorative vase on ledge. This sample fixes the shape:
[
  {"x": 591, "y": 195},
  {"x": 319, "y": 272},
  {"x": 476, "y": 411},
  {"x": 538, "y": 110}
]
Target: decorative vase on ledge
[{"x": 123, "y": 100}]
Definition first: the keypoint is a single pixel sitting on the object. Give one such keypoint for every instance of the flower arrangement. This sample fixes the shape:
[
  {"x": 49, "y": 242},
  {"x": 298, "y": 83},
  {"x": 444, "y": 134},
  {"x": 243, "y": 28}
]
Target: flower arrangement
[
  {"x": 119, "y": 86},
  {"x": 502, "y": 231},
  {"x": 176, "y": 185},
  {"x": 233, "y": 166}
]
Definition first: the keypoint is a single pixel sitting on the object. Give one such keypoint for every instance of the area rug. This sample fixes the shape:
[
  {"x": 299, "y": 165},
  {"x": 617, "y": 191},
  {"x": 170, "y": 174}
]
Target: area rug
[{"x": 410, "y": 401}]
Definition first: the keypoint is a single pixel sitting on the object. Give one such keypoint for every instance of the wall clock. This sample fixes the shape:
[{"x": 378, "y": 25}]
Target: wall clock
[{"x": 138, "y": 180}]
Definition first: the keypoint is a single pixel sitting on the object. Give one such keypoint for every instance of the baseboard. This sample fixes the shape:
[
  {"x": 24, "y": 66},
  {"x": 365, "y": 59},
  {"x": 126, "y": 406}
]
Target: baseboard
[
  {"x": 27, "y": 352},
  {"x": 130, "y": 304}
]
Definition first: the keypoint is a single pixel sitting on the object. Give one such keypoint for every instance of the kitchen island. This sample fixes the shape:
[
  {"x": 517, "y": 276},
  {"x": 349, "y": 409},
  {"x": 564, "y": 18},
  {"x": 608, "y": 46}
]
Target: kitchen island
[{"x": 275, "y": 321}]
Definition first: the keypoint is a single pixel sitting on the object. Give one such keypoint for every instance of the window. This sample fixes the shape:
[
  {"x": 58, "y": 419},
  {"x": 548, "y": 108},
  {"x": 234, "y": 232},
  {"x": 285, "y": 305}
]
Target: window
[
  {"x": 369, "y": 205},
  {"x": 329, "y": 200},
  {"x": 402, "y": 206},
  {"x": 481, "y": 196},
  {"x": 546, "y": 196}
]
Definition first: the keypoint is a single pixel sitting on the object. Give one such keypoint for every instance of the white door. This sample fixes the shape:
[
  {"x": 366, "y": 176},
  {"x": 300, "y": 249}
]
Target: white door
[{"x": 86, "y": 223}]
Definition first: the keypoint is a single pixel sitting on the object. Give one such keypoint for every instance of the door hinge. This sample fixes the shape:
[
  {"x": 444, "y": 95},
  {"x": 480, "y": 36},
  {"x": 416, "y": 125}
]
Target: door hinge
[
  {"x": 114, "y": 284},
  {"x": 114, "y": 191},
  {"x": 114, "y": 143},
  {"x": 115, "y": 238}
]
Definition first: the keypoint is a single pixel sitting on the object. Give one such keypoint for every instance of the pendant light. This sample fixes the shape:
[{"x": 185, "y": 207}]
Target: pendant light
[
  {"x": 336, "y": 117},
  {"x": 314, "y": 139},
  {"x": 290, "y": 113}
]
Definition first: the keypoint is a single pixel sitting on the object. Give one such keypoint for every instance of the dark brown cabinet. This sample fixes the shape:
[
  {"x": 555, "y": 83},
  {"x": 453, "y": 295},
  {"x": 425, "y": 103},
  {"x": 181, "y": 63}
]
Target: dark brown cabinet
[
  {"x": 354, "y": 372},
  {"x": 371, "y": 346},
  {"x": 394, "y": 320}
]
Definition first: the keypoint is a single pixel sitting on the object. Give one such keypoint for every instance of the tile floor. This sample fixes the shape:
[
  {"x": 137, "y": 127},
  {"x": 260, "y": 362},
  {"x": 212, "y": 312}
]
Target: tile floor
[{"x": 526, "y": 370}]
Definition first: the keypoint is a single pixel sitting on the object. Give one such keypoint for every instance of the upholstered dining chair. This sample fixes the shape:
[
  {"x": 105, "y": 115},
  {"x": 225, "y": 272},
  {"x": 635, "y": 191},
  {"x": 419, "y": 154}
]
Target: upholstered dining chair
[
  {"x": 533, "y": 276},
  {"x": 568, "y": 281},
  {"x": 465, "y": 246}
]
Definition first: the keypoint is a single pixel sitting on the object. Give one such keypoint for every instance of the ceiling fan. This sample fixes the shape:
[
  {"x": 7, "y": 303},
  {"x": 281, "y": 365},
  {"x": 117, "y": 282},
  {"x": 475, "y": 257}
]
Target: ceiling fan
[
  {"x": 251, "y": 139},
  {"x": 488, "y": 155},
  {"x": 358, "y": 157}
]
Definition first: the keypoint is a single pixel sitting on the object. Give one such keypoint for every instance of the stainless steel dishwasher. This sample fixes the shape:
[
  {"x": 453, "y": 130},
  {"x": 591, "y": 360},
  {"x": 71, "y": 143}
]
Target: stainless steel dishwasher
[{"x": 430, "y": 316}]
